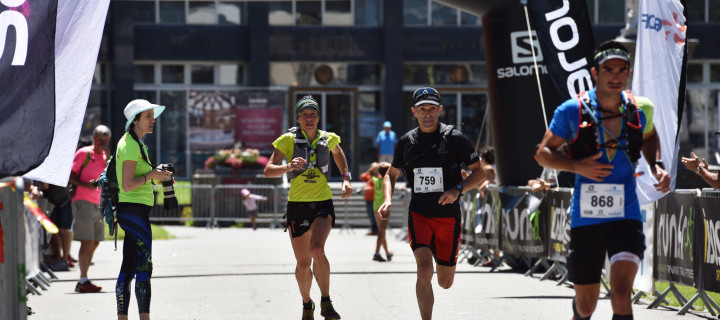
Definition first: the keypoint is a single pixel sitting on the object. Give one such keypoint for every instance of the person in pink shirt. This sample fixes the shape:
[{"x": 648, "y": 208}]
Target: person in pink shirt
[{"x": 88, "y": 164}]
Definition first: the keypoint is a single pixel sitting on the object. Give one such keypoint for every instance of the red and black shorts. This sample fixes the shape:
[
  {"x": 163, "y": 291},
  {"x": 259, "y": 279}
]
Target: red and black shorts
[
  {"x": 300, "y": 215},
  {"x": 441, "y": 235}
]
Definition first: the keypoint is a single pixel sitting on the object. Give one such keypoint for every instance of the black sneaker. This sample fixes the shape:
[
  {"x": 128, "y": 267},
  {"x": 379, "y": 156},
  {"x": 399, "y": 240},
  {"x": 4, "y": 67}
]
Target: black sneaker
[
  {"x": 327, "y": 311},
  {"x": 309, "y": 314}
]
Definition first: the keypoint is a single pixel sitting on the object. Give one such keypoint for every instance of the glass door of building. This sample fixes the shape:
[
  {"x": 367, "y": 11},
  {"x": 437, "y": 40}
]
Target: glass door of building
[{"x": 337, "y": 114}]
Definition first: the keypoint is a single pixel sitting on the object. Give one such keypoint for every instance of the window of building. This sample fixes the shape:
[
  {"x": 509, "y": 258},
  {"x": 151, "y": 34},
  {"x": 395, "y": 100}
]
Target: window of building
[
  {"x": 323, "y": 74},
  {"x": 694, "y": 72},
  {"x": 143, "y": 12},
  {"x": 443, "y": 15},
  {"x": 606, "y": 11},
  {"x": 172, "y": 12},
  {"x": 202, "y": 74},
  {"x": 204, "y": 12},
  {"x": 173, "y": 74},
  {"x": 326, "y": 12},
  {"x": 173, "y": 130},
  {"x": 201, "y": 12},
  {"x": 433, "y": 13},
  {"x": 144, "y": 73},
  {"x": 445, "y": 74},
  {"x": 714, "y": 72},
  {"x": 308, "y": 13},
  {"x": 230, "y": 74},
  {"x": 281, "y": 13},
  {"x": 337, "y": 13},
  {"x": 231, "y": 13},
  {"x": 368, "y": 13}
]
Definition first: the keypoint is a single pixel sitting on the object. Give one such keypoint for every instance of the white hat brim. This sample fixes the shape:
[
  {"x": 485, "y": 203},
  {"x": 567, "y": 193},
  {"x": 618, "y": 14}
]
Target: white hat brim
[
  {"x": 427, "y": 101},
  {"x": 158, "y": 110}
]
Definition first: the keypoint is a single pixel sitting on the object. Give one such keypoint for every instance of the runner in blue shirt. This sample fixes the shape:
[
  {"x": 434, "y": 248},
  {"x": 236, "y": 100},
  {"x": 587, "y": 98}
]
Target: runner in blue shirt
[{"x": 607, "y": 129}]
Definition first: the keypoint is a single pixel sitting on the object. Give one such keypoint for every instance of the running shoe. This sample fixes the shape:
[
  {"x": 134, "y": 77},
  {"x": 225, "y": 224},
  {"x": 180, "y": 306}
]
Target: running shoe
[
  {"x": 309, "y": 314},
  {"x": 378, "y": 257},
  {"x": 389, "y": 256},
  {"x": 58, "y": 265},
  {"x": 327, "y": 311},
  {"x": 70, "y": 263},
  {"x": 87, "y": 287}
]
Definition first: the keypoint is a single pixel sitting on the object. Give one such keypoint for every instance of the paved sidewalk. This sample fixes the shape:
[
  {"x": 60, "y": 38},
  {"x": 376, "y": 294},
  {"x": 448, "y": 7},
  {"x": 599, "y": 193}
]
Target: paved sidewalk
[{"x": 245, "y": 274}]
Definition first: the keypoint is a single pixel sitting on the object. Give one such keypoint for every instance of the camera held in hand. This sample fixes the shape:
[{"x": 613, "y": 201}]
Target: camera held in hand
[{"x": 169, "y": 201}]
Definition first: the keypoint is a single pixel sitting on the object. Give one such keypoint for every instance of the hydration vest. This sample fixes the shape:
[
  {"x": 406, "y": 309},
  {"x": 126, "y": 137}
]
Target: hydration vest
[
  {"x": 451, "y": 166},
  {"x": 303, "y": 149},
  {"x": 587, "y": 141}
]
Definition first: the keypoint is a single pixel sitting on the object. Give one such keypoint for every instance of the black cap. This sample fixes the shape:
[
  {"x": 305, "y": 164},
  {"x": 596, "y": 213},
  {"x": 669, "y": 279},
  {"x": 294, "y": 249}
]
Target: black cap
[{"x": 426, "y": 95}]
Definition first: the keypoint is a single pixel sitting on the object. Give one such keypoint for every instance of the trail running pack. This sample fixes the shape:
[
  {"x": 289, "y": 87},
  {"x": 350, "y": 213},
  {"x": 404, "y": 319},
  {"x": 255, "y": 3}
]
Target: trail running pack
[
  {"x": 109, "y": 195},
  {"x": 587, "y": 141},
  {"x": 444, "y": 151}
]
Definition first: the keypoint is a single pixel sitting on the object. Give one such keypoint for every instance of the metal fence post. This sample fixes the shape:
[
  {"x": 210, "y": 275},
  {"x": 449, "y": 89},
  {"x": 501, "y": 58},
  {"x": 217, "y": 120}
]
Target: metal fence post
[
  {"x": 211, "y": 222},
  {"x": 12, "y": 262},
  {"x": 276, "y": 208}
]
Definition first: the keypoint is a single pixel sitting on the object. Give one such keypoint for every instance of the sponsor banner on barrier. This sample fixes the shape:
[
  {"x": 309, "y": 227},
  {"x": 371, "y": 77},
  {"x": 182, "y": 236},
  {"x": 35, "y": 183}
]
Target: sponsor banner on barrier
[
  {"x": 487, "y": 229},
  {"x": 708, "y": 239},
  {"x": 558, "y": 209},
  {"x": 674, "y": 239},
  {"x": 521, "y": 226}
]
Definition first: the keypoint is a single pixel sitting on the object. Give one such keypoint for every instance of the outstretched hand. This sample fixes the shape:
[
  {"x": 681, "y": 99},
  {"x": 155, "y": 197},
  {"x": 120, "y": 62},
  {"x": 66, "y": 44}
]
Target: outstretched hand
[{"x": 592, "y": 169}]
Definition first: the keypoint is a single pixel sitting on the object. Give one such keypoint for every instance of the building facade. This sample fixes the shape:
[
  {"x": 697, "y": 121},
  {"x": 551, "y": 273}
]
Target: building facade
[{"x": 229, "y": 71}]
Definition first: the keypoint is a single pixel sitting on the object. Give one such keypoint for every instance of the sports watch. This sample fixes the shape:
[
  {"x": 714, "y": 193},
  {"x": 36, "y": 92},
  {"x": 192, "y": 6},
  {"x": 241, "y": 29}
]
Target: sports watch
[
  {"x": 459, "y": 186},
  {"x": 348, "y": 175}
]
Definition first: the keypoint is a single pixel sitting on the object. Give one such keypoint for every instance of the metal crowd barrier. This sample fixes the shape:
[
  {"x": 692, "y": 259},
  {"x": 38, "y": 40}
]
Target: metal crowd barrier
[
  {"x": 12, "y": 257},
  {"x": 228, "y": 202}
]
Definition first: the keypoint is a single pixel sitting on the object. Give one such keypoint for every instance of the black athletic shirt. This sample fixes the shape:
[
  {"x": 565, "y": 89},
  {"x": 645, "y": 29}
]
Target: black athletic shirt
[{"x": 461, "y": 150}]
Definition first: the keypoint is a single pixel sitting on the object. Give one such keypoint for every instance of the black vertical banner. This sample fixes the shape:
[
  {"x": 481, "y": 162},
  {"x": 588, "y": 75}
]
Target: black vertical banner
[
  {"x": 566, "y": 38},
  {"x": 674, "y": 219},
  {"x": 708, "y": 236},
  {"x": 558, "y": 205},
  {"x": 27, "y": 84},
  {"x": 514, "y": 94}
]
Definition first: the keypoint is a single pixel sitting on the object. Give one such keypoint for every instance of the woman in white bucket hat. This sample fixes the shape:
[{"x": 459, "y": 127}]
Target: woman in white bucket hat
[{"x": 135, "y": 174}]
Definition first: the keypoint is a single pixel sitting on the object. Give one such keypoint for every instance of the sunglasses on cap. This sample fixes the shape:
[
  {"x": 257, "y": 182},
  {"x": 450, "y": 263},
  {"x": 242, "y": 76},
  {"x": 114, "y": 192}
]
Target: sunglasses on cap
[{"x": 426, "y": 95}]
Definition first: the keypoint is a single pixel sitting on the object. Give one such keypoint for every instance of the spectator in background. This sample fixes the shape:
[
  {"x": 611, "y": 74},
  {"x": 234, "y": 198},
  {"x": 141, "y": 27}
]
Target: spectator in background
[
  {"x": 62, "y": 217},
  {"x": 251, "y": 207},
  {"x": 368, "y": 194},
  {"x": 88, "y": 164},
  {"x": 487, "y": 158},
  {"x": 135, "y": 175},
  {"x": 382, "y": 222},
  {"x": 701, "y": 168},
  {"x": 385, "y": 143}
]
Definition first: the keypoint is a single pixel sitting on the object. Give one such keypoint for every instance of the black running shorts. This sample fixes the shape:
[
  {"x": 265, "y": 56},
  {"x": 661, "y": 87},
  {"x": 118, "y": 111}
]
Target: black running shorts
[
  {"x": 300, "y": 215},
  {"x": 589, "y": 244}
]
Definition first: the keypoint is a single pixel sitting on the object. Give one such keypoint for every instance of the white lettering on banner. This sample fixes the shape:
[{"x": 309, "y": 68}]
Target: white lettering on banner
[
  {"x": 578, "y": 76},
  {"x": 521, "y": 71},
  {"x": 559, "y": 221},
  {"x": 22, "y": 36},
  {"x": 521, "y": 47},
  {"x": 520, "y": 229},
  {"x": 670, "y": 228},
  {"x": 489, "y": 227},
  {"x": 712, "y": 250}
]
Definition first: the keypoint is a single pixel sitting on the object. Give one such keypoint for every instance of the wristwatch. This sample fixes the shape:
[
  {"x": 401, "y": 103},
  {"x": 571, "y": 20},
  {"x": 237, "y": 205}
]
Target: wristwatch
[
  {"x": 459, "y": 186},
  {"x": 697, "y": 170},
  {"x": 348, "y": 175},
  {"x": 660, "y": 164}
]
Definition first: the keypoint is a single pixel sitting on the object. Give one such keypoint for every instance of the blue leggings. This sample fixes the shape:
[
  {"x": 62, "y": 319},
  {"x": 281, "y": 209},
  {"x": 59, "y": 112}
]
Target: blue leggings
[{"x": 134, "y": 219}]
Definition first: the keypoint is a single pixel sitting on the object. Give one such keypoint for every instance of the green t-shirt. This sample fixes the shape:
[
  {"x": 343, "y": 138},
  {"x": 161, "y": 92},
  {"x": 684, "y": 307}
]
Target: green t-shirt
[
  {"x": 379, "y": 197},
  {"x": 309, "y": 186},
  {"x": 129, "y": 149}
]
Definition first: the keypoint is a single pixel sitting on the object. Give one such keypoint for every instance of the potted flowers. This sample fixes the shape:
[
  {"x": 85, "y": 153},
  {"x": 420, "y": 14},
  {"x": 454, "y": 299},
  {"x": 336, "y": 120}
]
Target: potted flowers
[{"x": 236, "y": 159}]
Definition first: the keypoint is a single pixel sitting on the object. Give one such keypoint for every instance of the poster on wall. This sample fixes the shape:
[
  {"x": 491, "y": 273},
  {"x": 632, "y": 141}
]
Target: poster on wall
[
  {"x": 211, "y": 120},
  {"x": 259, "y": 118}
]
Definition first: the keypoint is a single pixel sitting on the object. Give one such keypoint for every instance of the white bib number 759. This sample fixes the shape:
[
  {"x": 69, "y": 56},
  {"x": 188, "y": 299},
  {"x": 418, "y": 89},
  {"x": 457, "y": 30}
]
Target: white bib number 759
[{"x": 428, "y": 180}]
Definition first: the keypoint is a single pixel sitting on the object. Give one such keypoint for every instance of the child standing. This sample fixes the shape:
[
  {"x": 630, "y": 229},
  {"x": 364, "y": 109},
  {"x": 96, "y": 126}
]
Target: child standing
[
  {"x": 382, "y": 224},
  {"x": 250, "y": 205}
]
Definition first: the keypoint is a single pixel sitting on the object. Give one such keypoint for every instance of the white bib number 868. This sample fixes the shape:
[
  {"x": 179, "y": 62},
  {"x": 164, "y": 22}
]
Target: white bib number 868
[{"x": 600, "y": 200}]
